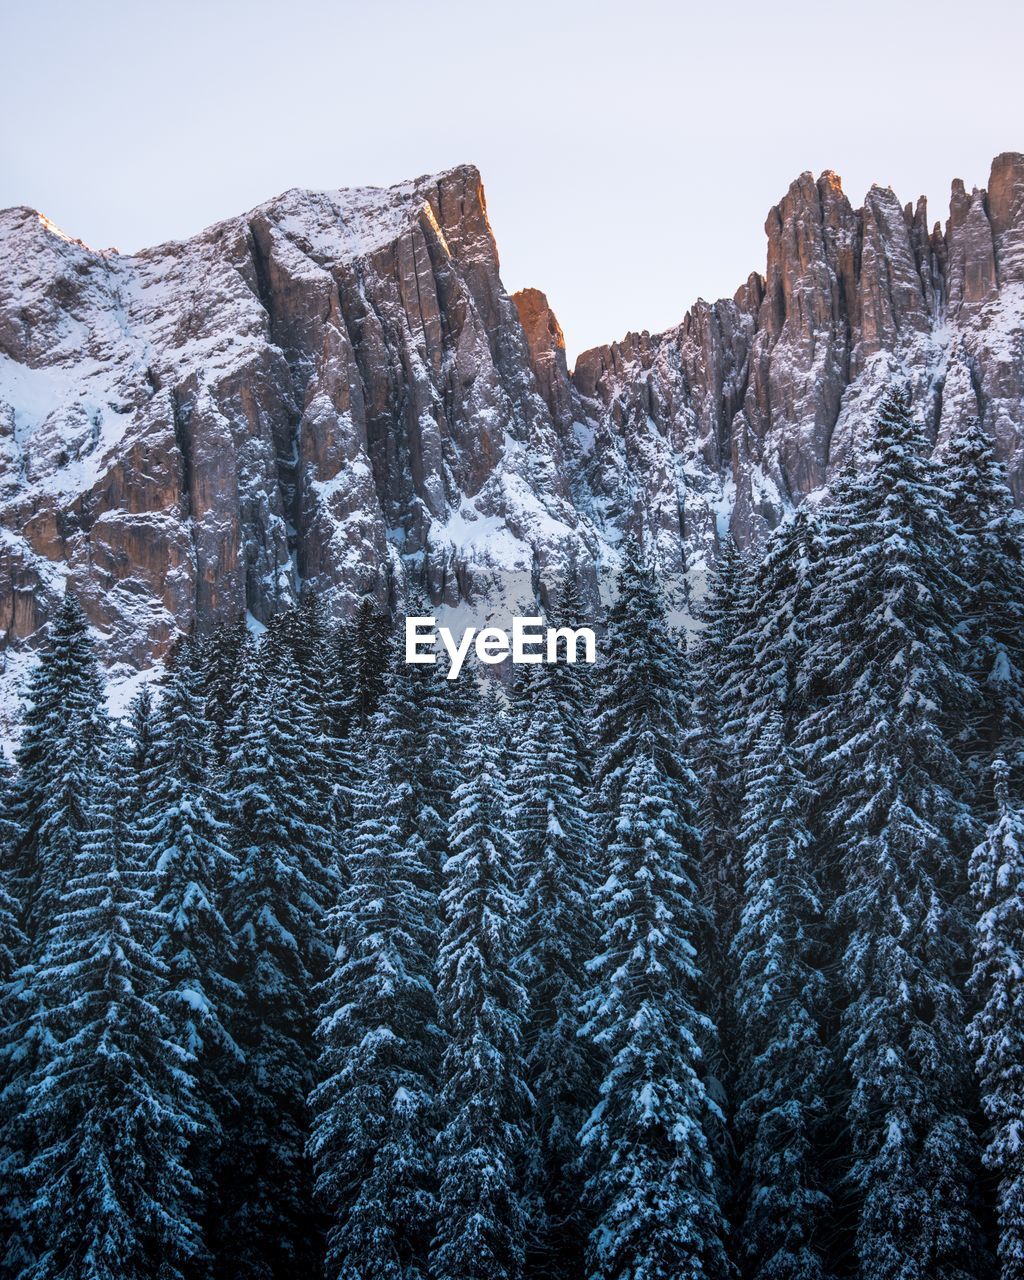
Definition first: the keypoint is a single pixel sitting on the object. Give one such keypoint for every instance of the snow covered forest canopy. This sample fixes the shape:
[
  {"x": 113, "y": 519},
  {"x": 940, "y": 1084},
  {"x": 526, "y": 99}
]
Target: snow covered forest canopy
[{"x": 700, "y": 962}]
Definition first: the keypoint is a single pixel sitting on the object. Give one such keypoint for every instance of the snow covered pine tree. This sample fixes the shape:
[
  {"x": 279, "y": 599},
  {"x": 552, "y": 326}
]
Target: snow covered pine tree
[
  {"x": 185, "y": 844},
  {"x": 784, "y": 1064},
  {"x": 372, "y": 1136},
  {"x": 991, "y": 562},
  {"x": 60, "y": 765},
  {"x": 997, "y": 1031},
  {"x": 650, "y": 1140},
  {"x": 553, "y": 830},
  {"x": 274, "y": 907},
  {"x": 483, "y": 1102},
  {"x": 108, "y": 1104},
  {"x": 888, "y": 657}
]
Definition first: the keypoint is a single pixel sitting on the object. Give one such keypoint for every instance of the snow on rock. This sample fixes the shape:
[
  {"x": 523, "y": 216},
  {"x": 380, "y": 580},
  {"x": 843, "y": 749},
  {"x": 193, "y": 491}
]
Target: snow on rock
[{"x": 334, "y": 393}]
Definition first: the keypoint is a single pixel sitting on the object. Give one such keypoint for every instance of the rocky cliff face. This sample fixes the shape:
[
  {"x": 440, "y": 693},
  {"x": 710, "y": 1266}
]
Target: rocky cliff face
[
  {"x": 759, "y": 397},
  {"x": 334, "y": 393}
]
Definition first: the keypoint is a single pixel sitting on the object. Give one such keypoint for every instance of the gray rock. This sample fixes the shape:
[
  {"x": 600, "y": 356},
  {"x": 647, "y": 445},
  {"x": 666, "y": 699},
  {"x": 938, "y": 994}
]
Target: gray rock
[{"x": 335, "y": 394}]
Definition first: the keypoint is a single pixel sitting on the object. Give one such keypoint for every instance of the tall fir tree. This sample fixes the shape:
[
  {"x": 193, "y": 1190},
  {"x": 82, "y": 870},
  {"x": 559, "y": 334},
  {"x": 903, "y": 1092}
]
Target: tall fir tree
[
  {"x": 303, "y": 797},
  {"x": 653, "y": 1184},
  {"x": 785, "y": 1067},
  {"x": 890, "y": 789},
  {"x": 574, "y": 682},
  {"x": 302, "y": 643},
  {"x": 372, "y": 1138},
  {"x": 991, "y": 561},
  {"x": 367, "y": 655},
  {"x": 13, "y": 954},
  {"x": 997, "y": 1031},
  {"x": 373, "y": 1158},
  {"x": 483, "y": 1100},
  {"x": 415, "y": 736},
  {"x": 141, "y": 767},
  {"x": 645, "y": 691},
  {"x": 60, "y": 765},
  {"x": 556, "y": 848},
  {"x": 110, "y": 1195},
  {"x": 12, "y": 940},
  {"x": 222, "y": 656},
  {"x": 719, "y": 673},
  {"x": 268, "y": 1229},
  {"x": 185, "y": 844},
  {"x": 651, "y": 1140},
  {"x": 64, "y": 734},
  {"x": 240, "y": 700},
  {"x": 773, "y": 632}
]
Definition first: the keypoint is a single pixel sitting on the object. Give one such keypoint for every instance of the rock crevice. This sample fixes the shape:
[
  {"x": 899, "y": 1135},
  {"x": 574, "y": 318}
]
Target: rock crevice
[{"x": 334, "y": 393}]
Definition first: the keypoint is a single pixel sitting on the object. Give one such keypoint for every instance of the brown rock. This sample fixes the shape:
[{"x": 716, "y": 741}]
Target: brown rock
[
  {"x": 334, "y": 394},
  {"x": 1006, "y": 211},
  {"x": 546, "y": 345},
  {"x": 970, "y": 254}
]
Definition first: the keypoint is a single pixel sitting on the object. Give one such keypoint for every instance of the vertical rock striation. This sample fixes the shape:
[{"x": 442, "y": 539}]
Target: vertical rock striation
[{"x": 334, "y": 393}]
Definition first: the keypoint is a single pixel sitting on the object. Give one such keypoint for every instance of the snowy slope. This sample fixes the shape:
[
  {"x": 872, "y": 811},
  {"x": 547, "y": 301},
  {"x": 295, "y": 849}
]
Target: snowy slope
[{"x": 334, "y": 392}]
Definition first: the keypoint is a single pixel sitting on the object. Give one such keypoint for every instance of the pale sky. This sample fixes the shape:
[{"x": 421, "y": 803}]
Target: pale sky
[{"x": 630, "y": 150}]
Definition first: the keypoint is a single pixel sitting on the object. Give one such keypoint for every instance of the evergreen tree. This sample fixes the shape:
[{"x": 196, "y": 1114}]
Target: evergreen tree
[
  {"x": 417, "y": 733},
  {"x": 12, "y": 955},
  {"x": 185, "y": 845},
  {"x": 303, "y": 639},
  {"x": 773, "y": 631},
  {"x": 337, "y": 679},
  {"x": 12, "y": 940},
  {"x": 65, "y": 730},
  {"x": 890, "y": 787},
  {"x": 320, "y": 651},
  {"x": 108, "y": 1104},
  {"x": 652, "y": 1185},
  {"x": 293, "y": 632},
  {"x": 139, "y": 747},
  {"x": 553, "y": 832},
  {"x": 644, "y": 689},
  {"x": 60, "y": 765},
  {"x": 222, "y": 655},
  {"x": 484, "y": 1102},
  {"x": 367, "y": 655},
  {"x": 997, "y": 1031},
  {"x": 574, "y": 683},
  {"x": 719, "y": 703},
  {"x": 302, "y": 792},
  {"x": 268, "y": 1229},
  {"x": 780, "y": 994},
  {"x": 371, "y": 1141},
  {"x": 991, "y": 561},
  {"x": 650, "y": 1141},
  {"x": 314, "y": 773},
  {"x": 241, "y": 700}
]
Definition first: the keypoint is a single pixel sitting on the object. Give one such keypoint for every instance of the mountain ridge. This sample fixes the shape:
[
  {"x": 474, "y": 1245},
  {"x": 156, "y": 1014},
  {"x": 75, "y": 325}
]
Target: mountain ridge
[{"x": 334, "y": 392}]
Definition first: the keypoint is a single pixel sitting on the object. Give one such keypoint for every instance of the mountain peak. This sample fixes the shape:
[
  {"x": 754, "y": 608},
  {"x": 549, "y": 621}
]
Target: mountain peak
[{"x": 334, "y": 394}]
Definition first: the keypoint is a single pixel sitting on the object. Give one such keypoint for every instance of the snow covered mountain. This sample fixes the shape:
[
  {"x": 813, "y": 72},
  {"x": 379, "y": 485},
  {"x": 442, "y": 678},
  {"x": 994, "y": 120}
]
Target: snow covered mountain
[{"x": 335, "y": 391}]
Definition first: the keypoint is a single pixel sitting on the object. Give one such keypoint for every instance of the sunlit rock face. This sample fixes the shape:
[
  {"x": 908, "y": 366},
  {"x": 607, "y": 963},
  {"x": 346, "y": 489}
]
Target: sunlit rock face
[
  {"x": 754, "y": 401},
  {"x": 334, "y": 393}
]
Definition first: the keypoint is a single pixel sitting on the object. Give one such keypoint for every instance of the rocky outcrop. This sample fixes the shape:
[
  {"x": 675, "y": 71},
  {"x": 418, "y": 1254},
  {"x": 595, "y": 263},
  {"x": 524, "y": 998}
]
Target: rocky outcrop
[
  {"x": 308, "y": 397},
  {"x": 1006, "y": 212},
  {"x": 766, "y": 393},
  {"x": 335, "y": 394},
  {"x": 546, "y": 345}
]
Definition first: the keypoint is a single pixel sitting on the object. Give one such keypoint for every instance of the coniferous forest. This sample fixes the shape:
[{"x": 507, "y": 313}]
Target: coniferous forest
[{"x": 706, "y": 961}]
